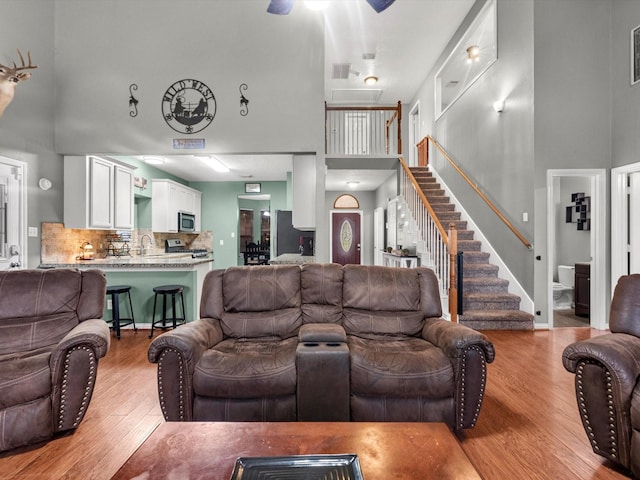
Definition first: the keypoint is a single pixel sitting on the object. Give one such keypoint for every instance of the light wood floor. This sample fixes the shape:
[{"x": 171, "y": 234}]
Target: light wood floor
[{"x": 528, "y": 428}]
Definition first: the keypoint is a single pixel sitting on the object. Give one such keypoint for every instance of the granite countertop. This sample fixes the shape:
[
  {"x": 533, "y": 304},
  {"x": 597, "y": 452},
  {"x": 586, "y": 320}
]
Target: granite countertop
[
  {"x": 164, "y": 260},
  {"x": 291, "y": 258}
]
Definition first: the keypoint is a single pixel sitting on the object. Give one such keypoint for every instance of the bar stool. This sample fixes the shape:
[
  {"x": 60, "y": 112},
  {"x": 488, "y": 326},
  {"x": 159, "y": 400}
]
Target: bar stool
[
  {"x": 116, "y": 320},
  {"x": 164, "y": 291}
]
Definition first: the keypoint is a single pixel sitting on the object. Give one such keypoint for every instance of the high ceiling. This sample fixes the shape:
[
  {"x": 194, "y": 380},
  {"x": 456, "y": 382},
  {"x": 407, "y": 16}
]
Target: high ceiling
[{"x": 399, "y": 46}]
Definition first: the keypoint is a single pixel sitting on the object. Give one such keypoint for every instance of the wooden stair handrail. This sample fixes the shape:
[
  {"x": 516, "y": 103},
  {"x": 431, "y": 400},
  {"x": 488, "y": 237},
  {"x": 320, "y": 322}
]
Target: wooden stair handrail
[
  {"x": 495, "y": 210},
  {"x": 425, "y": 202}
]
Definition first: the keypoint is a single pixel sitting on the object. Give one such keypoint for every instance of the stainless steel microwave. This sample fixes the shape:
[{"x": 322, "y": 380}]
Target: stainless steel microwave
[{"x": 186, "y": 222}]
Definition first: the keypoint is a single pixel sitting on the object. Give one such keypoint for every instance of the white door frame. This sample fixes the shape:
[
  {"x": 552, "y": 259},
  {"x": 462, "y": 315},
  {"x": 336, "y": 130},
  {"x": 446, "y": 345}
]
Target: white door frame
[
  {"x": 378, "y": 235},
  {"x": 619, "y": 221},
  {"x": 414, "y": 114},
  {"x": 599, "y": 316},
  {"x": 20, "y": 172}
]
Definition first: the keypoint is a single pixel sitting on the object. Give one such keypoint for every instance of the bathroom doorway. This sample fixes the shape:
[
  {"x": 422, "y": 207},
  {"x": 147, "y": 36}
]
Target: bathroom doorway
[{"x": 576, "y": 244}]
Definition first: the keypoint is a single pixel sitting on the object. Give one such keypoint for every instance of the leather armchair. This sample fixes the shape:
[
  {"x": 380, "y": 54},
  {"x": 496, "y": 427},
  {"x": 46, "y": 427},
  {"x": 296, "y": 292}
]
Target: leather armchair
[
  {"x": 52, "y": 337},
  {"x": 607, "y": 370}
]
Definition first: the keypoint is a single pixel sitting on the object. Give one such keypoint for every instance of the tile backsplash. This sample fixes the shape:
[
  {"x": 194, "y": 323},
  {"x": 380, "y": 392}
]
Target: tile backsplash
[{"x": 63, "y": 245}]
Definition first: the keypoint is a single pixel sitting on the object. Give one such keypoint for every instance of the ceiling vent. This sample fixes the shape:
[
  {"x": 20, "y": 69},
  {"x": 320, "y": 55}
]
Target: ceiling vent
[
  {"x": 341, "y": 71},
  {"x": 368, "y": 56}
]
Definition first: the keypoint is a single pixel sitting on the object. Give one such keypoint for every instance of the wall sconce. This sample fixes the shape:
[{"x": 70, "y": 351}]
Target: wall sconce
[
  {"x": 473, "y": 53},
  {"x": 498, "y": 106}
]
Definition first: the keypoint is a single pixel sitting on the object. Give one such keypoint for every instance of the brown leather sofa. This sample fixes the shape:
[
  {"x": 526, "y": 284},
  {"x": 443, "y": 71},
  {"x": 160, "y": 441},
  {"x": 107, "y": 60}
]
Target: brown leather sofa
[
  {"x": 321, "y": 342},
  {"x": 51, "y": 339},
  {"x": 607, "y": 370}
]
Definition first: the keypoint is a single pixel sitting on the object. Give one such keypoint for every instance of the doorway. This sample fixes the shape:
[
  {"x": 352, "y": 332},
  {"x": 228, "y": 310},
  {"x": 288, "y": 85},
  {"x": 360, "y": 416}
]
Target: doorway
[
  {"x": 569, "y": 211},
  {"x": 13, "y": 176},
  {"x": 254, "y": 229},
  {"x": 414, "y": 134},
  {"x": 625, "y": 221},
  {"x": 345, "y": 236}
]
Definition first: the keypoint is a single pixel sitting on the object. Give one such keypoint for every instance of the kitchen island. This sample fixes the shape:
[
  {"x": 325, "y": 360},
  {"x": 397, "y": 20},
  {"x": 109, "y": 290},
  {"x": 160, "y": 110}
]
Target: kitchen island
[
  {"x": 291, "y": 259},
  {"x": 143, "y": 273}
]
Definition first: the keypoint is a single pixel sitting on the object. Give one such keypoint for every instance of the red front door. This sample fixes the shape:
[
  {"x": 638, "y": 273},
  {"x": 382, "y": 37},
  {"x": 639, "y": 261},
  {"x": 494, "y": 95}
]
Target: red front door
[{"x": 345, "y": 244}]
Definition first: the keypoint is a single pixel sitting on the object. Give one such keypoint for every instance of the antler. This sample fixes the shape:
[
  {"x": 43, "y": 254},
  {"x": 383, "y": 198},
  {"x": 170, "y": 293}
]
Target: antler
[{"x": 23, "y": 66}]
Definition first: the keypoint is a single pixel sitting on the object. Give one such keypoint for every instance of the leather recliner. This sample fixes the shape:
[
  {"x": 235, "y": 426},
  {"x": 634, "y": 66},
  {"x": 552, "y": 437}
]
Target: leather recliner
[
  {"x": 52, "y": 337},
  {"x": 321, "y": 342},
  {"x": 607, "y": 375}
]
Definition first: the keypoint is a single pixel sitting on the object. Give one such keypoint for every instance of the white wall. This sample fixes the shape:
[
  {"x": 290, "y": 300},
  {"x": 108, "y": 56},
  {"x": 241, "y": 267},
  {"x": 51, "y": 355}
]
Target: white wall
[
  {"x": 104, "y": 46},
  {"x": 572, "y": 245},
  {"x": 27, "y": 126}
]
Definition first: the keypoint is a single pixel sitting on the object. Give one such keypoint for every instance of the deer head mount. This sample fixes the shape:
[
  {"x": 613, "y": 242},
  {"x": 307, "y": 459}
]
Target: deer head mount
[{"x": 10, "y": 77}]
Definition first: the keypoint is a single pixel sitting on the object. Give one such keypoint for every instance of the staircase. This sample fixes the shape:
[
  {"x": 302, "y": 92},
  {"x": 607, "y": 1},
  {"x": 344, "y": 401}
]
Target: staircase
[{"x": 486, "y": 302}]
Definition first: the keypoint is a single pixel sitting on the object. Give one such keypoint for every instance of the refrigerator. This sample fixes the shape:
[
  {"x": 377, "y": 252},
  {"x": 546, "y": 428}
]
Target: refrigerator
[{"x": 289, "y": 239}]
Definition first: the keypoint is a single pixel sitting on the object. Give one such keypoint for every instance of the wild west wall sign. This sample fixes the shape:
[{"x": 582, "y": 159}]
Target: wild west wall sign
[{"x": 188, "y": 106}]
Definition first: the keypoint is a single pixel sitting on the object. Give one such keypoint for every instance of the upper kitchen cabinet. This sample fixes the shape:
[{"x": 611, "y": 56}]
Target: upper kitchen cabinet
[
  {"x": 304, "y": 192},
  {"x": 167, "y": 199},
  {"x": 98, "y": 193}
]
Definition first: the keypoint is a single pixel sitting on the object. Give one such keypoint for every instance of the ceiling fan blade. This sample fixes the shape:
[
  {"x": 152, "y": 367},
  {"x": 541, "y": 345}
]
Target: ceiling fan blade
[
  {"x": 380, "y": 5},
  {"x": 280, "y": 7}
]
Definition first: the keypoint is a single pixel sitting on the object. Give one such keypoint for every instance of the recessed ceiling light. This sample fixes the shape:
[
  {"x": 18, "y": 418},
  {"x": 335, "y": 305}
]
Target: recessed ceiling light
[
  {"x": 371, "y": 80},
  {"x": 353, "y": 184},
  {"x": 153, "y": 159}
]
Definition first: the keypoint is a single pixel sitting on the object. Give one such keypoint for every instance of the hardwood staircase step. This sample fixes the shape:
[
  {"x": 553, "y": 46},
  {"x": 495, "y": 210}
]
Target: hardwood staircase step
[{"x": 497, "y": 320}]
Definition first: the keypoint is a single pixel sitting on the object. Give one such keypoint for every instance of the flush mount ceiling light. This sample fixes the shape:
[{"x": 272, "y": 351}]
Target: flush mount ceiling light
[
  {"x": 316, "y": 5},
  {"x": 153, "y": 159},
  {"x": 473, "y": 53},
  {"x": 371, "y": 80},
  {"x": 353, "y": 184},
  {"x": 214, "y": 163}
]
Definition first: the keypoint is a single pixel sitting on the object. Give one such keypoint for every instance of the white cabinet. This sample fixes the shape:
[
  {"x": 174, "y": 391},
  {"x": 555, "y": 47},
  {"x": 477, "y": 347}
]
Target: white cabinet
[
  {"x": 98, "y": 193},
  {"x": 167, "y": 199},
  {"x": 304, "y": 192}
]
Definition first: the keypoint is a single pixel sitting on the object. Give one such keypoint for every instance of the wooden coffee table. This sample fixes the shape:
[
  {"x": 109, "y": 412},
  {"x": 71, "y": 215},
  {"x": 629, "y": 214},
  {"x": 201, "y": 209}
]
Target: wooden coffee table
[{"x": 413, "y": 451}]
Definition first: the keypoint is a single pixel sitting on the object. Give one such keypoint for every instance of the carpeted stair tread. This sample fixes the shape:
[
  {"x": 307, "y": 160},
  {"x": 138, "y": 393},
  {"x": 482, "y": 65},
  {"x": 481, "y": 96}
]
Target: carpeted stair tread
[
  {"x": 490, "y": 301},
  {"x": 497, "y": 320},
  {"x": 484, "y": 285},
  {"x": 474, "y": 256}
]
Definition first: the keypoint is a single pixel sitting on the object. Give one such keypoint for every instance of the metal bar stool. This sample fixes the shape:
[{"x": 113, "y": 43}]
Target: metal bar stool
[
  {"x": 116, "y": 320},
  {"x": 164, "y": 291}
]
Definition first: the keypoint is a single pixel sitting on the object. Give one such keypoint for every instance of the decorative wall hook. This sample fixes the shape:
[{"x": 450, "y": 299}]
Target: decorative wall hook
[
  {"x": 244, "y": 102},
  {"x": 133, "y": 101}
]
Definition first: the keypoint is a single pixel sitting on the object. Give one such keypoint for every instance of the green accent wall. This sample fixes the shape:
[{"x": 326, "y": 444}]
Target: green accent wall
[{"x": 220, "y": 214}]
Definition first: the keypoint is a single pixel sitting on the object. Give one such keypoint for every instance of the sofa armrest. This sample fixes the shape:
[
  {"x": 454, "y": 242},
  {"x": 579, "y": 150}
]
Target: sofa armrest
[
  {"x": 469, "y": 352},
  {"x": 177, "y": 352},
  {"x": 607, "y": 369},
  {"x": 322, "y": 332},
  {"x": 74, "y": 363}
]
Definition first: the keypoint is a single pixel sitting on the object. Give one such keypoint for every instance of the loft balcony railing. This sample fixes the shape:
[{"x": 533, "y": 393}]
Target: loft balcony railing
[{"x": 369, "y": 131}]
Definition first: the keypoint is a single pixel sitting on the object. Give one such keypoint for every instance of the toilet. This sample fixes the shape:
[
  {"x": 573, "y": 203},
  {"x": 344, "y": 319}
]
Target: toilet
[{"x": 563, "y": 288}]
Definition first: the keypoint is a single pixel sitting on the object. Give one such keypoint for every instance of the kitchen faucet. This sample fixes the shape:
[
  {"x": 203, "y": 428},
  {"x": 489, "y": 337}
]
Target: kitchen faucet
[{"x": 143, "y": 251}]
